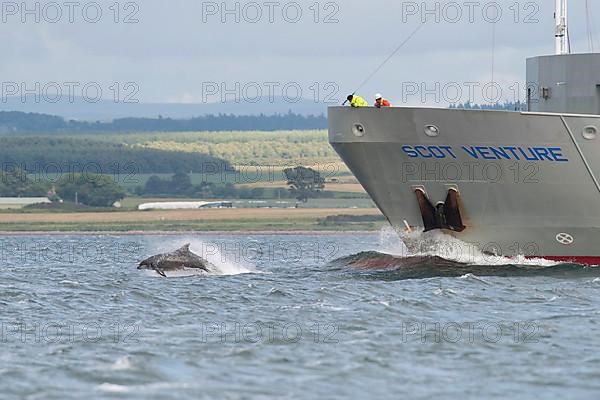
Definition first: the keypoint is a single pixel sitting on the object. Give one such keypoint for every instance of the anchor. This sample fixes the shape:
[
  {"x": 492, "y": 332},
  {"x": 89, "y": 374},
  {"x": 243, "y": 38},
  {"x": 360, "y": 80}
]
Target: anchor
[{"x": 445, "y": 215}]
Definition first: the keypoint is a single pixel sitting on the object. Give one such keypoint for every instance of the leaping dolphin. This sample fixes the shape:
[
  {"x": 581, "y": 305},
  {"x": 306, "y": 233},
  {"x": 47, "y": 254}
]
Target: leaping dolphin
[{"x": 177, "y": 260}]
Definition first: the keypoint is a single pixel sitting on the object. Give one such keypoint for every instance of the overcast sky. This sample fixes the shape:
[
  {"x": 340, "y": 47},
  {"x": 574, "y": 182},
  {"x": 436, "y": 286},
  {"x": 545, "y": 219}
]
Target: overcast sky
[{"x": 188, "y": 51}]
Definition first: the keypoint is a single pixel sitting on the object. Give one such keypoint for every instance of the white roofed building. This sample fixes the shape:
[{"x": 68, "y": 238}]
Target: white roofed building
[{"x": 20, "y": 202}]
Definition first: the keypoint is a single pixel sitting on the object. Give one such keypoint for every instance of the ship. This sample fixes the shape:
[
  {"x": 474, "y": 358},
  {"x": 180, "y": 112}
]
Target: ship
[{"x": 524, "y": 183}]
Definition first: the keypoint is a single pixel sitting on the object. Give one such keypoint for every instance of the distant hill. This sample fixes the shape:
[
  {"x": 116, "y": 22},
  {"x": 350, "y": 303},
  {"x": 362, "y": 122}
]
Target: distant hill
[
  {"x": 20, "y": 122},
  {"x": 107, "y": 110}
]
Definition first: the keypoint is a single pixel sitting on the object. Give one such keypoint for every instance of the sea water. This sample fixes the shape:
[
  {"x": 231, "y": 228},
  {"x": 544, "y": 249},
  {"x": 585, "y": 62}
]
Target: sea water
[{"x": 290, "y": 316}]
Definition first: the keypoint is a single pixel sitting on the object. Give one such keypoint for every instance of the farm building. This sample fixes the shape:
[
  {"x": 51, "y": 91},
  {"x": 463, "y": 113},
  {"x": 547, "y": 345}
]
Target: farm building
[
  {"x": 181, "y": 205},
  {"x": 20, "y": 202}
]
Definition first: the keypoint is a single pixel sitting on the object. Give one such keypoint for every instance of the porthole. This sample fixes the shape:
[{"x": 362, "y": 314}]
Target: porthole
[
  {"x": 590, "y": 132},
  {"x": 432, "y": 130},
  {"x": 358, "y": 130}
]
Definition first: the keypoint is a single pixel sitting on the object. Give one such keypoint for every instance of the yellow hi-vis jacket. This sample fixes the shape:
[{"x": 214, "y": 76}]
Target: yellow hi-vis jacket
[{"x": 358, "y": 101}]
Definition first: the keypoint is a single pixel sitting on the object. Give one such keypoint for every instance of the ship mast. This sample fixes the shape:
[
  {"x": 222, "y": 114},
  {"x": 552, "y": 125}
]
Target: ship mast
[{"x": 562, "y": 31}]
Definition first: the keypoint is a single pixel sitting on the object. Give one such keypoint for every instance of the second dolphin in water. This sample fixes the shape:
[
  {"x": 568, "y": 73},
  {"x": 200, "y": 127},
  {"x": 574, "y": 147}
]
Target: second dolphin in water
[{"x": 178, "y": 260}]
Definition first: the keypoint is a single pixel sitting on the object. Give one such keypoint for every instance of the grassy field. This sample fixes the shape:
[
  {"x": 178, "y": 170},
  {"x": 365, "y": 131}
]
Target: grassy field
[
  {"x": 259, "y": 159},
  {"x": 280, "y": 148},
  {"x": 248, "y": 175},
  {"x": 341, "y": 187},
  {"x": 256, "y": 148},
  {"x": 190, "y": 220}
]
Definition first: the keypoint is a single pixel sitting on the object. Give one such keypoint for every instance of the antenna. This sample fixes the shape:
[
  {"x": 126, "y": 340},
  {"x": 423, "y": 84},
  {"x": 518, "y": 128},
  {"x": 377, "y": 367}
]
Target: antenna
[
  {"x": 590, "y": 29},
  {"x": 561, "y": 35}
]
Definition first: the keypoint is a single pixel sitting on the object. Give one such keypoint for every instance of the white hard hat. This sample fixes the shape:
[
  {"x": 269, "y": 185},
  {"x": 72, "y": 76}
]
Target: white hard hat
[{"x": 378, "y": 96}]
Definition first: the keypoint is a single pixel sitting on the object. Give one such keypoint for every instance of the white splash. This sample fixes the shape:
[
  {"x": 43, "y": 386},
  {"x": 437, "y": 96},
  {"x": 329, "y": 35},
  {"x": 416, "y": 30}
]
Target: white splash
[
  {"x": 475, "y": 278},
  {"x": 111, "y": 388},
  {"x": 122, "y": 364},
  {"x": 391, "y": 243},
  {"x": 70, "y": 283},
  {"x": 229, "y": 259},
  {"x": 437, "y": 243}
]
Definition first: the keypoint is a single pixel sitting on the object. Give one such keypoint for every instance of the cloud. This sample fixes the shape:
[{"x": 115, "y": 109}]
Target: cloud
[{"x": 177, "y": 46}]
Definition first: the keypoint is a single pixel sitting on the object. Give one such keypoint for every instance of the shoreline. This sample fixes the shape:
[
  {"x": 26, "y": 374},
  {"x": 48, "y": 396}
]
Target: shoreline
[
  {"x": 209, "y": 221},
  {"x": 183, "y": 233}
]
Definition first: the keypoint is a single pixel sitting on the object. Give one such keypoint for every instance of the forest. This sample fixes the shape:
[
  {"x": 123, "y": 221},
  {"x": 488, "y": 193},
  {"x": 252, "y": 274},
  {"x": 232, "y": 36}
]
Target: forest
[
  {"x": 15, "y": 121},
  {"x": 48, "y": 155}
]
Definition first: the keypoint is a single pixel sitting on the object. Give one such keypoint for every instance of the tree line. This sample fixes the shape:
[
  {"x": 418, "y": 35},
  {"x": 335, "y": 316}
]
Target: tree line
[
  {"x": 304, "y": 183},
  {"x": 21, "y": 122},
  {"x": 88, "y": 189},
  {"x": 47, "y": 155},
  {"x": 506, "y": 106},
  {"x": 180, "y": 185},
  {"x": 16, "y": 121}
]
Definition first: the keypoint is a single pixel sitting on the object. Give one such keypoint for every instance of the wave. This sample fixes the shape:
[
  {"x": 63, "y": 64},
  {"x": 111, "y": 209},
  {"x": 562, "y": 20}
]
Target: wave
[
  {"x": 441, "y": 255},
  {"x": 427, "y": 266}
]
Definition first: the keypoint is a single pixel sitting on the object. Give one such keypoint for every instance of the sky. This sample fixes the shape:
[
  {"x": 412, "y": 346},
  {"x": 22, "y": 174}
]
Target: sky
[{"x": 184, "y": 51}]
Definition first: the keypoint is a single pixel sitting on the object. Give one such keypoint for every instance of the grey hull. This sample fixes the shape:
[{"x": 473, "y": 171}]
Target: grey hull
[{"x": 530, "y": 188}]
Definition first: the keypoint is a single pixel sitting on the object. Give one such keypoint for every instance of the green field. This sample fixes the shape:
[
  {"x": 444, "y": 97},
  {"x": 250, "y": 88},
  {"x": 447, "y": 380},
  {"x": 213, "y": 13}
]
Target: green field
[
  {"x": 231, "y": 219},
  {"x": 255, "y": 156},
  {"x": 273, "y": 225},
  {"x": 257, "y": 148},
  {"x": 258, "y": 160}
]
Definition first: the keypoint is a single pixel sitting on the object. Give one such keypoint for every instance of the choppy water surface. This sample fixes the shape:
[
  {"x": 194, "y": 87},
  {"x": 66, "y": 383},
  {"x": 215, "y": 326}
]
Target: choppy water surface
[{"x": 304, "y": 316}]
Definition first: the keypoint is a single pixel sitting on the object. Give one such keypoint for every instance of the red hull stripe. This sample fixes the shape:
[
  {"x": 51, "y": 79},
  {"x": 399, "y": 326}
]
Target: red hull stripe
[{"x": 584, "y": 260}]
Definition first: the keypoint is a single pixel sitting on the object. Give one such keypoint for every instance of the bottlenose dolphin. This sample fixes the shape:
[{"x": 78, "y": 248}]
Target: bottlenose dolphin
[{"x": 177, "y": 260}]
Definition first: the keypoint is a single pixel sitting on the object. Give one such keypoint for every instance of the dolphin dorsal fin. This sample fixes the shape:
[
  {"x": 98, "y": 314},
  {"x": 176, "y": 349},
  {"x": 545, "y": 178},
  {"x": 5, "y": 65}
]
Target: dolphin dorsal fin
[{"x": 185, "y": 248}]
